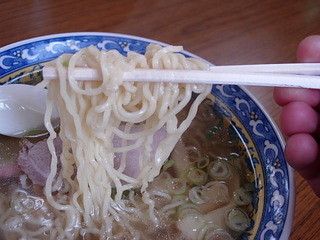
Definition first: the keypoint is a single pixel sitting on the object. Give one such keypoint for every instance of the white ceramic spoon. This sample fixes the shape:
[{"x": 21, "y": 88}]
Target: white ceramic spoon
[{"x": 22, "y": 109}]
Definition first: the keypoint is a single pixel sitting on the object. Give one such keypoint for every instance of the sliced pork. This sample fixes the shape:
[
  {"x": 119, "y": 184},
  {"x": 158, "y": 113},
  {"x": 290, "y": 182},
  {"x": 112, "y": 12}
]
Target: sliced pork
[
  {"x": 132, "y": 157},
  {"x": 9, "y": 170},
  {"x": 35, "y": 159}
]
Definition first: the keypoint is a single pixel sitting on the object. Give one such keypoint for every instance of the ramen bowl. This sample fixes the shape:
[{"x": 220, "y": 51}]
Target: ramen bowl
[{"x": 271, "y": 211}]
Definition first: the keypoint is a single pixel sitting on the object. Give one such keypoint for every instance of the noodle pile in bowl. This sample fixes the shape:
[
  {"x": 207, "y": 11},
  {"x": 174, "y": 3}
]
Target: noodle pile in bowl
[{"x": 84, "y": 197}]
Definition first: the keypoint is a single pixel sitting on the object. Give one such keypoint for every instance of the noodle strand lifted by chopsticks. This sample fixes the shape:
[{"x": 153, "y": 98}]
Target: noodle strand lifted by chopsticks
[{"x": 92, "y": 114}]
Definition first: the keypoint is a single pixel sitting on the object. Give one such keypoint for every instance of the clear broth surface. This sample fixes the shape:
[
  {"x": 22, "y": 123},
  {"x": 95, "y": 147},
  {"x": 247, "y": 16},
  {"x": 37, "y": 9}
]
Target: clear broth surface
[{"x": 210, "y": 138}]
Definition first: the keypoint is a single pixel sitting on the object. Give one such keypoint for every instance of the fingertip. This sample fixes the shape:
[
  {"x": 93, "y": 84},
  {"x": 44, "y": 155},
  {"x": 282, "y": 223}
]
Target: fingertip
[
  {"x": 309, "y": 49},
  {"x": 283, "y": 96},
  {"x": 302, "y": 154},
  {"x": 298, "y": 117},
  {"x": 277, "y": 95},
  {"x": 301, "y": 151}
]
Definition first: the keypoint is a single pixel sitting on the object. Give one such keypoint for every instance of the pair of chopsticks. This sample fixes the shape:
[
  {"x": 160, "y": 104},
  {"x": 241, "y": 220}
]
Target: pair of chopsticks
[{"x": 302, "y": 75}]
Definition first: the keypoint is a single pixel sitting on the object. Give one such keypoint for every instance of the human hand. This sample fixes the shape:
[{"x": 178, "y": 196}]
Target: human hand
[{"x": 300, "y": 120}]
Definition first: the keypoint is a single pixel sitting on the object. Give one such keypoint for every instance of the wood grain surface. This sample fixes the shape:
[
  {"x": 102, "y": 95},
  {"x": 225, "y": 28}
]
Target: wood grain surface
[{"x": 222, "y": 32}]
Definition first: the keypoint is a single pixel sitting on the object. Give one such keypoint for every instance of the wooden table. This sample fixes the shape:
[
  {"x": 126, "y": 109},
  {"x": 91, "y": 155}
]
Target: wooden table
[{"x": 223, "y": 32}]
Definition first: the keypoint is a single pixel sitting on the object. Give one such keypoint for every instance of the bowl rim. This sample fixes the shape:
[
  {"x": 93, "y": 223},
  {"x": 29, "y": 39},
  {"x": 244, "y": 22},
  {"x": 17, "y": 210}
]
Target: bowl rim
[
  {"x": 290, "y": 213},
  {"x": 291, "y": 208}
]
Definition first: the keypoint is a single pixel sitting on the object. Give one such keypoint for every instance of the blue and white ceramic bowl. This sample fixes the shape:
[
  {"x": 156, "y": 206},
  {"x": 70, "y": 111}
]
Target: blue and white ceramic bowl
[{"x": 272, "y": 210}]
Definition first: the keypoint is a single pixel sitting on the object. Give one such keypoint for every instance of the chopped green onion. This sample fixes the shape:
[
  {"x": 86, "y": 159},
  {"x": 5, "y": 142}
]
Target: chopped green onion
[
  {"x": 198, "y": 195},
  {"x": 192, "y": 221},
  {"x": 193, "y": 153},
  {"x": 237, "y": 220},
  {"x": 65, "y": 64},
  {"x": 215, "y": 129},
  {"x": 183, "y": 175},
  {"x": 217, "y": 191},
  {"x": 241, "y": 173},
  {"x": 35, "y": 133},
  {"x": 113, "y": 193},
  {"x": 213, "y": 184},
  {"x": 203, "y": 162},
  {"x": 219, "y": 170},
  {"x": 211, "y": 231},
  {"x": 197, "y": 176},
  {"x": 125, "y": 193},
  {"x": 168, "y": 164},
  {"x": 210, "y": 227},
  {"x": 186, "y": 209},
  {"x": 176, "y": 186},
  {"x": 242, "y": 197}
]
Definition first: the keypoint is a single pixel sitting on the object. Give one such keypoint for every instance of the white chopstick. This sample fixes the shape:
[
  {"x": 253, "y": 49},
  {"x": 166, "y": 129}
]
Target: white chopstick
[
  {"x": 286, "y": 68},
  {"x": 302, "y": 75}
]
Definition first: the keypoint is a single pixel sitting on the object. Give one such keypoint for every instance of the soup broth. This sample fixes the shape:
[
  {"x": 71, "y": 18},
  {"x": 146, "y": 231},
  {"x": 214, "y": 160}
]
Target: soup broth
[{"x": 204, "y": 190}]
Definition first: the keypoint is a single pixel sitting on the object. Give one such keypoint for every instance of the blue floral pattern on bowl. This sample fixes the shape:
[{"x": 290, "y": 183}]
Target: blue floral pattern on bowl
[{"x": 277, "y": 180}]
